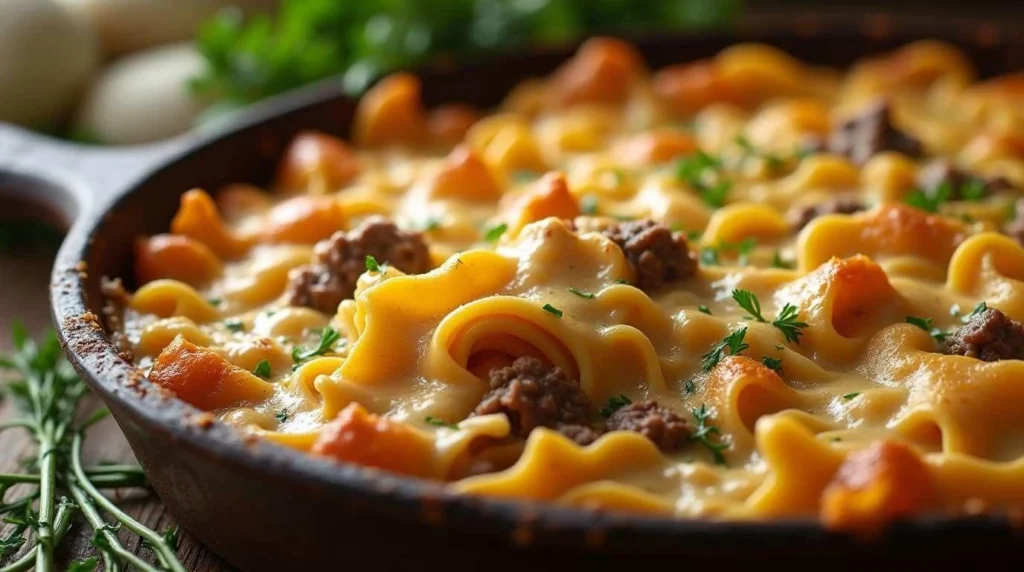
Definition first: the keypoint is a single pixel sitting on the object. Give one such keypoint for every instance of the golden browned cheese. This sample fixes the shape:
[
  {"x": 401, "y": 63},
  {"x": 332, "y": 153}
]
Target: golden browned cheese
[{"x": 818, "y": 400}]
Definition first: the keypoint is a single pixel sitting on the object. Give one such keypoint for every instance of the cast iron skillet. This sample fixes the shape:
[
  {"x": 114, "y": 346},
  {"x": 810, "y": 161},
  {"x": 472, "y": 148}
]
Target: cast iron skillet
[{"x": 262, "y": 506}]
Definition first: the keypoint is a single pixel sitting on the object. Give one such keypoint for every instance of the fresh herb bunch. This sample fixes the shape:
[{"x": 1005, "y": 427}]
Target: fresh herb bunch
[
  {"x": 47, "y": 392},
  {"x": 309, "y": 40}
]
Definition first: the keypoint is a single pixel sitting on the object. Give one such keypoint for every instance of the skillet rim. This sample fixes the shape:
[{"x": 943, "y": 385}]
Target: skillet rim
[{"x": 96, "y": 358}]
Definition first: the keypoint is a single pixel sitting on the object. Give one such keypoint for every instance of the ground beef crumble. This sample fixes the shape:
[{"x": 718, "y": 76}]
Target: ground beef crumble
[
  {"x": 532, "y": 395},
  {"x": 339, "y": 261},
  {"x": 664, "y": 427},
  {"x": 800, "y": 216},
  {"x": 656, "y": 253},
  {"x": 869, "y": 133},
  {"x": 989, "y": 336}
]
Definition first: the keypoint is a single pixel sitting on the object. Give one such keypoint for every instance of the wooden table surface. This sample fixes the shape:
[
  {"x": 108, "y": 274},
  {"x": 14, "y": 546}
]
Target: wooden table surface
[{"x": 25, "y": 269}]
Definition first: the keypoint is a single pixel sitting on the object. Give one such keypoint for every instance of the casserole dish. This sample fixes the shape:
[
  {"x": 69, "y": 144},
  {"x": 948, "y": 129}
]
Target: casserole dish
[{"x": 264, "y": 507}]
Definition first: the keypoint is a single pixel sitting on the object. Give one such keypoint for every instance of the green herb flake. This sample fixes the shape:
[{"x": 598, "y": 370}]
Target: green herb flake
[
  {"x": 281, "y": 416},
  {"x": 695, "y": 170},
  {"x": 749, "y": 302},
  {"x": 973, "y": 190},
  {"x": 234, "y": 324},
  {"x": 589, "y": 205},
  {"x": 851, "y": 395},
  {"x": 977, "y": 311},
  {"x": 615, "y": 403},
  {"x": 552, "y": 310},
  {"x": 926, "y": 325},
  {"x": 703, "y": 308},
  {"x": 788, "y": 324},
  {"x": 772, "y": 363},
  {"x": 495, "y": 232},
  {"x": 215, "y": 302},
  {"x": 436, "y": 422},
  {"x": 732, "y": 342},
  {"x": 431, "y": 224},
  {"x": 371, "y": 264},
  {"x": 262, "y": 369},
  {"x": 929, "y": 202},
  {"x": 779, "y": 262},
  {"x": 708, "y": 435},
  {"x": 581, "y": 293},
  {"x": 328, "y": 337}
]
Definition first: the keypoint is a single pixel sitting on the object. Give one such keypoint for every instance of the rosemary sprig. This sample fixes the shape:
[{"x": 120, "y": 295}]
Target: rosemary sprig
[{"x": 47, "y": 393}]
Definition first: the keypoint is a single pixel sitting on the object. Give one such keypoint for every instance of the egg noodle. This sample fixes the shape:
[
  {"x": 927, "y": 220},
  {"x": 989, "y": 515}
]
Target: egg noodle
[{"x": 776, "y": 331}]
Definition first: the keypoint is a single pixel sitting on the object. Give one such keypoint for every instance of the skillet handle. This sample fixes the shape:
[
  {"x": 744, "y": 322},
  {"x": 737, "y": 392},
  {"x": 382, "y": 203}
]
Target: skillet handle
[{"x": 71, "y": 180}]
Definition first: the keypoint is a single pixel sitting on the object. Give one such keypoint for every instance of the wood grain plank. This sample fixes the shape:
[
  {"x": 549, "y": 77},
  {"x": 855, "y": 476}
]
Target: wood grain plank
[{"x": 26, "y": 276}]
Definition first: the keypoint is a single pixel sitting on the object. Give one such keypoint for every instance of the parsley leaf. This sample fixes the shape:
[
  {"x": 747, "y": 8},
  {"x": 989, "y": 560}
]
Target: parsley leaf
[
  {"x": 709, "y": 255},
  {"x": 705, "y": 434},
  {"x": 778, "y": 262},
  {"x": 788, "y": 324},
  {"x": 494, "y": 233},
  {"x": 772, "y": 363},
  {"x": 552, "y": 310},
  {"x": 431, "y": 224},
  {"x": 851, "y": 395},
  {"x": 929, "y": 202},
  {"x": 215, "y": 301},
  {"x": 615, "y": 403},
  {"x": 328, "y": 337},
  {"x": 589, "y": 205},
  {"x": 749, "y": 302},
  {"x": 262, "y": 369},
  {"x": 704, "y": 309},
  {"x": 973, "y": 190},
  {"x": 696, "y": 169},
  {"x": 234, "y": 324},
  {"x": 441, "y": 423},
  {"x": 732, "y": 342},
  {"x": 281, "y": 416},
  {"x": 689, "y": 387},
  {"x": 581, "y": 293},
  {"x": 371, "y": 264},
  {"x": 749, "y": 151},
  {"x": 977, "y": 311},
  {"x": 926, "y": 325}
]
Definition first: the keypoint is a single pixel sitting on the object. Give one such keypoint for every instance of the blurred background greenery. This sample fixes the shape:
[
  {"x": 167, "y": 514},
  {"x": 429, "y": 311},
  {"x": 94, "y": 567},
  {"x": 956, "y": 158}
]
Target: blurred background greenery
[{"x": 312, "y": 39}]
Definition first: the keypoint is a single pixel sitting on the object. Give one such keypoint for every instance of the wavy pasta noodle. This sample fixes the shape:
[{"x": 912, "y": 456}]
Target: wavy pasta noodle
[{"x": 739, "y": 288}]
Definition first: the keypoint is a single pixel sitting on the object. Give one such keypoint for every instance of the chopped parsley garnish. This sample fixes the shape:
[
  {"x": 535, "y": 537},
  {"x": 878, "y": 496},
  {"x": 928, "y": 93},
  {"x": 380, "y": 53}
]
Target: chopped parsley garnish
[
  {"x": 749, "y": 302},
  {"x": 926, "y": 325},
  {"x": 371, "y": 264},
  {"x": 234, "y": 324},
  {"x": 772, "y": 161},
  {"x": 786, "y": 321},
  {"x": 733, "y": 342},
  {"x": 977, "y": 311},
  {"x": 929, "y": 202},
  {"x": 788, "y": 324},
  {"x": 621, "y": 281},
  {"x": 694, "y": 235},
  {"x": 973, "y": 190},
  {"x": 581, "y": 293},
  {"x": 281, "y": 416},
  {"x": 705, "y": 434},
  {"x": 442, "y": 423},
  {"x": 689, "y": 387},
  {"x": 589, "y": 205},
  {"x": 215, "y": 301},
  {"x": 328, "y": 337},
  {"x": 523, "y": 175},
  {"x": 771, "y": 363},
  {"x": 615, "y": 403},
  {"x": 695, "y": 170},
  {"x": 778, "y": 262},
  {"x": 703, "y": 308},
  {"x": 432, "y": 223},
  {"x": 552, "y": 310},
  {"x": 262, "y": 369},
  {"x": 709, "y": 255},
  {"x": 851, "y": 395},
  {"x": 495, "y": 232}
]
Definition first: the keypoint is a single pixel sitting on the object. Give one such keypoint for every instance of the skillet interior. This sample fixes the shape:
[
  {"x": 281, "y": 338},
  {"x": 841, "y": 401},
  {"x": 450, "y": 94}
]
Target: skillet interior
[{"x": 265, "y": 507}]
